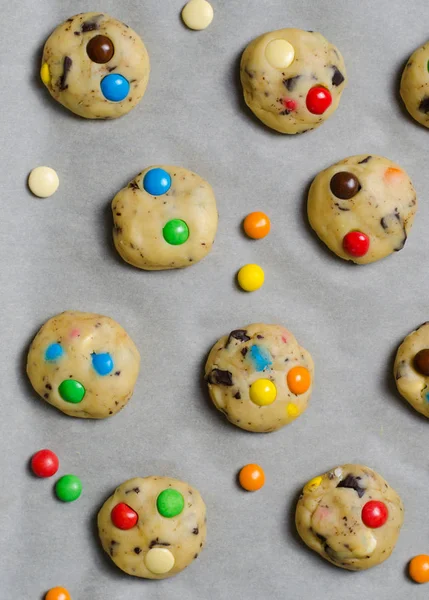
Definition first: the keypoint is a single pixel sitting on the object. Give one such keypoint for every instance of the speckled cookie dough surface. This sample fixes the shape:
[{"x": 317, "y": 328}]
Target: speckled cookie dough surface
[
  {"x": 292, "y": 79},
  {"x": 84, "y": 364},
  {"x": 362, "y": 208},
  {"x": 95, "y": 66},
  {"x": 260, "y": 377},
  {"x": 411, "y": 369},
  {"x": 153, "y": 527},
  {"x": 415, "y": 85},
  {"x": 350, "y": 516},
  {"x": 166, "y": 218}
]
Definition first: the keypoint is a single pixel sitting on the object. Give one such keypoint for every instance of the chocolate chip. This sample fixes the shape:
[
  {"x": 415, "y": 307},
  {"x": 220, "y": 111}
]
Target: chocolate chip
[
  {"x": 248, "y": 73},
  {"x": 219, "y": 377},
  {"x": 117, "y": 373},
  {"x": 421, "y": 362},
  {"x": 137, "y": 550},
  {"x": 92, "y": 24},
  {"x": 136, "y": 490},
  {"x": 156, "y": 542},
  {"x": 195, "y": 531},
  {"x": 341, "y": 207},
  {"x": 46, "y": 396},
  {"x": 424, "y": 105},
  {"x": 337, "y": 77},
  {"x": 344, "y": 185},
  {"x": 66, "y": 68},
  {"x": 110, "y": 69},
  {"x": 48, "y": 386},
  {"x": 238, "y": 334},
  {"x": 260, "y": 337},
  {"x": 290, "y": 83},
  {"x": 365, "y": 160},
  {"x": 237, "y": 396},
  {"x": 352, "y": 482},
  {"x": 244, "y": 351},
  {"x": 195, "y": 556}
]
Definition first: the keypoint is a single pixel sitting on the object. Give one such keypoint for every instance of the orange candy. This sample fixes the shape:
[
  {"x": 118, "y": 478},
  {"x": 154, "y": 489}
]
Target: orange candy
[
  {"x": 252, "y": 477},
  {"x": 298, "y": 380},
  {"x": 58, "y": 593},
  {"x": 392, "y": 173},
  {"x": 419, "y": 568},
  {"x": 257, "y": 225}
]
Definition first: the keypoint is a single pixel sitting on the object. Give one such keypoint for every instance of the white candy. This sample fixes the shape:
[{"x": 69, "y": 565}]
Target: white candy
[
  {"x": 197, "y": 14},
  {"x": 43, "y": 182}
]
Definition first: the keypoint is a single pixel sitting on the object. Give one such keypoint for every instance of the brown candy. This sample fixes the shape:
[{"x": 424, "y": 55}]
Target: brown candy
[
  {"x": 344, "y": 185},
  {"x": 421, "y": 362},
  {"x": 100, "y": 49}
]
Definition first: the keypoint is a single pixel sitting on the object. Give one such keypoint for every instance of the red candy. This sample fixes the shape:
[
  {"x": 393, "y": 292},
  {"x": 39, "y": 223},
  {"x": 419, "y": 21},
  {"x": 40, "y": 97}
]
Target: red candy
[
  {"x": 318, "y": 100},
  {"x": 44, "y": 463},
  {"x": 374, "y": 514},
  {"x": 289, "y": 104},
  {"x": 356, "y": 243},
  {"x": 123, "y": 516}
]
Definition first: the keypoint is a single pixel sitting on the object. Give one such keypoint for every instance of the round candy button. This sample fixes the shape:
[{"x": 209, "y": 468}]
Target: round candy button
[
  {"x": 157, "y": 182},
  {"x": 123, "y": 516},
  {"x": 53, "y": 352},
  {"x": 356, "y": 243},
  {"x": 102, "y": 363},
  {"x": 68, "y": 488},
  {"x": 115, "y": 87},
  {"x": 374, "y": 514},
  {"x": 257, "y": 225},
  {"x": 418, "y": 568},
  {"x": 170, "y": 503},
  {"x": 250, "y": 278},
  {"x": 197, "y": 14},
  {"x": 159, "y": 560},
  {"x": 298, "y": 380},
  {"x": 72, "y": 391},
  {"x": 251, "y": 477},
  {"x": 44, "y": 463},
  {"x": 175, "y": 232},
  {"x": 263, "y": 392},
  {"x": 43, "y": 182},
  {"x": 344, "y": 185},
  {"x": 421, "y": 362},
  {"x": 280, "y": 54},
  {"x": 318, "y": 100},
  {"x": 313, "y": 484},
  {"x": 100, "y": 49},
  {"x": 58, "y": 593}
]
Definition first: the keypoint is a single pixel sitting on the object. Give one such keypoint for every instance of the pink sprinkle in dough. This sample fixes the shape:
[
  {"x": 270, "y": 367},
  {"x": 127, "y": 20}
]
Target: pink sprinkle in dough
[
  {"x": 284, "y": 340},
  {"x": 75, "y": 333}
]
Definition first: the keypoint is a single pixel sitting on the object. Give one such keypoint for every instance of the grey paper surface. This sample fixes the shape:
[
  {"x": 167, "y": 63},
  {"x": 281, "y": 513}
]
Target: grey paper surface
[{"x": 57, "y": 255}]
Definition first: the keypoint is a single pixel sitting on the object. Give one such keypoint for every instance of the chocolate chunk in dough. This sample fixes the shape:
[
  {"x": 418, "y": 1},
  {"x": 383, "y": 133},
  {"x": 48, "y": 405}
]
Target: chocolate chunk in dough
[{"x": 352, "y": 482}]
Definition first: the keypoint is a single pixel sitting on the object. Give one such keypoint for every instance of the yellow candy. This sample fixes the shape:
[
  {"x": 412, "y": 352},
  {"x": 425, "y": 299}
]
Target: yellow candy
[
  {"x": 263, "y": 392},
  {"x": 251, "y": 278},
  {"x": 313, "y": 484},
  {"x": 292, "y": 410},
  {"x": 45, "y": 74},
  {"x": 280, "y": 54}
]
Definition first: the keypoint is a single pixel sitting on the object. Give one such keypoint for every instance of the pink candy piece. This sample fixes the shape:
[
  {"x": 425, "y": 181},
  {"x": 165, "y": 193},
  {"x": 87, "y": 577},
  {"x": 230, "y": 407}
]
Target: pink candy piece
[
  {"x": 74, "y": 333},
  {"x": 284, "y": 340}
]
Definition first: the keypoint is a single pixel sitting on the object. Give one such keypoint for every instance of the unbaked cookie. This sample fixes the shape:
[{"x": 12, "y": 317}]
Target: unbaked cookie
[
  {"x": 415, "y": 85},
  {"x": 84, "y": 364},
  {"x": 166, "y": 218},
  {"x": 95, "y": 66},
  {"x": 153, "y": 527},
  {"x": 411, "y": 369},
  {"x": 362, "y": 208},
  {"x": 260, "y": 377},
  {"x": 350, "y": 516},
  {"x": 292, "y": 79}
]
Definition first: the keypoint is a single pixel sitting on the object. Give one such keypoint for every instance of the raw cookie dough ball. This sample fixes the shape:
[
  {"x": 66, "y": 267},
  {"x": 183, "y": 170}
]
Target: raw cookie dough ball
[
  {"x": 362, "y": 208},
  {"x": 411, "y": 369},
  {"x": 84, "y": 364},
  {"x": 415, "y": 85},
  {"x": 166, "y": 218},
  {"x": 260, "y": 377},
  {"x": 153, "y": 527},
  {"x": 350, "y": 516},
  {"x": 95, "y": 66},
  {"x": 292, "y": 79}
]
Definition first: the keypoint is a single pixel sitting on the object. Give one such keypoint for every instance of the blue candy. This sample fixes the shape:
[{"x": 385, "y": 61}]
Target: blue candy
[
  {"x": 115, "y": 87},
  {"x": 260, "y": 358},
  {"x": 427, "y": 396},
  {"x": 157, "y": 182},
  {"x": 102, "y": 363},
  {"x": 53, "y": 352}
]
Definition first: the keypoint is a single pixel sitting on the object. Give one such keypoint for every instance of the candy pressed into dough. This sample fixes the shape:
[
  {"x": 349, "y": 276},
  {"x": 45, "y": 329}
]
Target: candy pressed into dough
[
  {"x": 376, "y": 199},
  {"x": 247, "y": 355},
  {"x": 329, "y": 517},
  {"x": 142, "y": 219},
  {"x": 182, "y": 537},
  {"x": 84, "y": 364},
  {"x": 278, "y": 70},
  {"x": 75, "y": 79},
  {"x": 415, "y": 85}
]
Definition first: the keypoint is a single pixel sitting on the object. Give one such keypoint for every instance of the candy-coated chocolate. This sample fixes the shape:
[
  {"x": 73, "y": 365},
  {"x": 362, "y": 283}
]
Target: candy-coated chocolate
[
  {"x": 421, "y": 362},
  {"x": 58, "y": 593},
  {"x": 123, "y": 516},
  {"x": 251, "y": 477},
  {"x": 263, "y": 392},
  {"x": 313, "y": 484},
  {"x": 43, "y": 182},
  {"x": 251, "y": 277},
  {"x": 68, "y": 488},
  {"x": 292, "y": 410},
  {"x": 418, "y": 568},
  {"x": 344, "y": 185},
  {"x": 318, "y": 100},
  {"x": 298, "y": 380},
  {"x": 102, "y": 363},
  {"x": 44, "y": 463},
  {"x": 260, "y": 357},
  {"x": 356, "y": 243},
  {"x": 280, "y": 53},
  {"x": 54, "y": 351},
  {"x": 45, "y": 74},
  {"x": 100, "y": 49},
  {"x": 157, "y": 182},
  {"x": 72, "y": 391},
  {"x": 170, "y": 503},
  {"x": 257, "y": 225},
  {"x": 159, "y": 560},
  {"x": 175, "y": 232},
  {"x": 115, "y": 87},
  {"x": 374, "y": 514}
]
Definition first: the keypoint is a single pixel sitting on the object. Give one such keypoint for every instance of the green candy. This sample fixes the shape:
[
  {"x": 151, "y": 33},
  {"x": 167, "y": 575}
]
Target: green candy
[
  {"x": 68, "y": 488},
  {"x": 72, "y": 391},
  {"x": 175, "y": 232},
  {"x": 170, "y": 503}
]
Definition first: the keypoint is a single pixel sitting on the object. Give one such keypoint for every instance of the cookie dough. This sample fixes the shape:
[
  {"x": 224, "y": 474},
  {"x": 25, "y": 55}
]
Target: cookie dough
[
  {"x": 415, "y": 85},
  {"x": 153, "y": 527},
  {"x": 362, "y": 208},
  {"x": 411, "y": 369},
  {"x": 95, "y": 66},
  {"x": 166, "y": 218},
  {"x": 350, "y": 516},
  {"x": 259, "y": 377},
  {"x": 292, "y": 79},
  {"x": 84, "y": 364}
]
